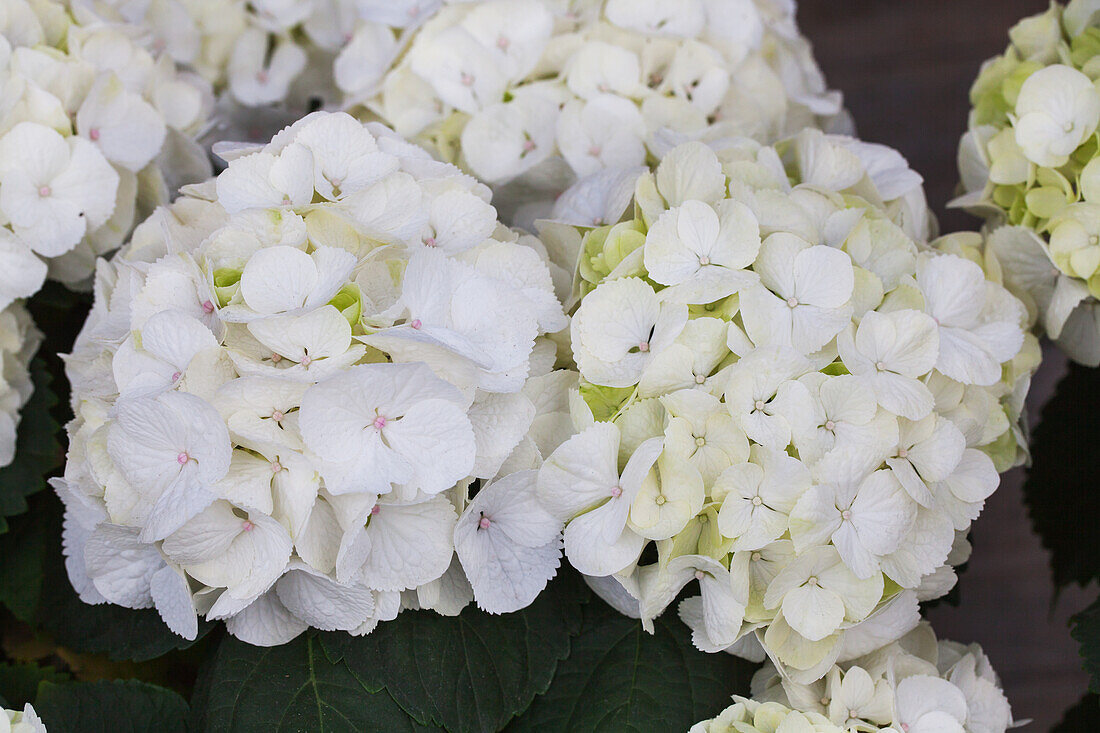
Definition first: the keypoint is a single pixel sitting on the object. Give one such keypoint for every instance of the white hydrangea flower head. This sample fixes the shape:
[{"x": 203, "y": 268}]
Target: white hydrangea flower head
[
  {"x": 22, "y": 721},
  {"x": 315, "y": 391},
  {"x": 531, "y": 95},
  {"x": 787, "y": 393},
  {"x": 95, "y": 132},
  {"x": 915, "y": 683},
  {"x": 1029, "y": 168}
]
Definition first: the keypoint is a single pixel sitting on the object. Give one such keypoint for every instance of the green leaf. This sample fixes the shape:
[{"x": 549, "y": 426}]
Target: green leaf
[
  {"x": 473, "y": 672},
  {"x": 23, "y": 549},
  {"x": 1084, "y": 716},
  {"x": 1060, "y": 490},
  {"x": 37, "y": 451},
  {"x": 111, "y": 707},
  {"x": 1086, "y": 630},
  {"x": 35, "y": 587},
  {"x": 619, "y": 678},
  {"x": 286, "y": 689},
  {"x": 19, "y": 682}
]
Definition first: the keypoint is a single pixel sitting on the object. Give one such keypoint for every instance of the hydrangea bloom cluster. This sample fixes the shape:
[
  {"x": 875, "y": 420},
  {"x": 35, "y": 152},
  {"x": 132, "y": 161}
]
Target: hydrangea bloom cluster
[
  {"x": 95, "y": 132},
  {"x": 913, "y": 685},
  {"x": 19, "y": 341},
  {"x": 536, "y": 93},
  {"x": 784, "y": 397},
  {"x": 316, "y": 391},
  {"x": 21, "y": 721},
  {"x": 1030, "y": 166}
]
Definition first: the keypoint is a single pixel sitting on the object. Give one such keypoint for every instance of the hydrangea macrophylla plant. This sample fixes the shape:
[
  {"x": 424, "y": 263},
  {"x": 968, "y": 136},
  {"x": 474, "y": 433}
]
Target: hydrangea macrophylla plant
[
  {"x": 95, "y": 132},
  {"x": 1029, "y": 167},
  {"x": 315, "y": 391},
  {"x": 529, "y": 95},
  {"x": 785, "y": 396},
  {"x": 21, "y": 721},
  {"x": 917, "y": 684},
  {"x": 19, "y": 340}
]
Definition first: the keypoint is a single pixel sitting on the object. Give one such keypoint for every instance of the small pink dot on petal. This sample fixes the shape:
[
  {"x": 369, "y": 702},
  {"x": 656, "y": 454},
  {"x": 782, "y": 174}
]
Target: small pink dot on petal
[
  {"x": 430, "y": 241},
  {"x": 175, "y": 376},
  {"x": 595, "y": 151},
  {"x": 247, "y": 525},
  {"x": 830, "y": 425},
  {"x": 528, "y": 146},
  {"x": 93, "y": 134},
  {"x": 276, "y": 467},
  {"x": 846, "y": 514},
  {"x": 306, "y": 360},
  {"x": 503, "y": 43},
  {"x": 902, "y": 453},
  {"x": 207, "y": 307},
  {"x": 44, "y": 191},
  {"x": 484, "y": 523},
  {"x": 466, "y": 79},
  {"x": 616, "y": 491},
  {"x": 276, "y": 358},
  {"x": 643, "y": 347},
  {"x": 277, "y": 416},
  {"x": 375, "y": 509},
  {"x": 183, "y": 458},
  {"x": 379, "y": 422},
  {"x": 262, "y": 77},
  {"x": 699, "y": 575},
  {"x": 415, "y": 323}
]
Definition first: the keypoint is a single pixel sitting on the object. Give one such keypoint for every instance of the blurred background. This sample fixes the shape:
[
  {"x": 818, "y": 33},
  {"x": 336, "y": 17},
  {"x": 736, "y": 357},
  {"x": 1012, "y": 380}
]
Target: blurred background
[{"x": 905, "y": 68}]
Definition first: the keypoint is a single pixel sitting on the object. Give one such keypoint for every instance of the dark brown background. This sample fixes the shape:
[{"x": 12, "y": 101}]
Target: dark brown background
[{"x": 905, "y": 67}]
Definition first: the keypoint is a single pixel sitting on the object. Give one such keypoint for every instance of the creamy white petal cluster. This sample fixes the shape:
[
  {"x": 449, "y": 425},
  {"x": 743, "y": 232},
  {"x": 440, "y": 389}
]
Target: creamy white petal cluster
[
  {"x": 315, "y": 391},
  {"x": 19, "y": 341},
  {"x": 21, "y": 721},
  {"x": 297, "y": 55},
  {"x": 1030, "y": 166},
  {"x": 95, "y": 132},
  {"x": 913, "y": 685},
  {"x": 529, "y": 95},
  {"x": 752, "y": 716},
  {"x": 784, "y": 397}
]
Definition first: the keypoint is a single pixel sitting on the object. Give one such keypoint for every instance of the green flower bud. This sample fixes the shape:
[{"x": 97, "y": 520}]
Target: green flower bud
[
  {"x": 226, "y": 283},
  {"x": 349, "y": 301},
  {"x": 605, "y": 249}
]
